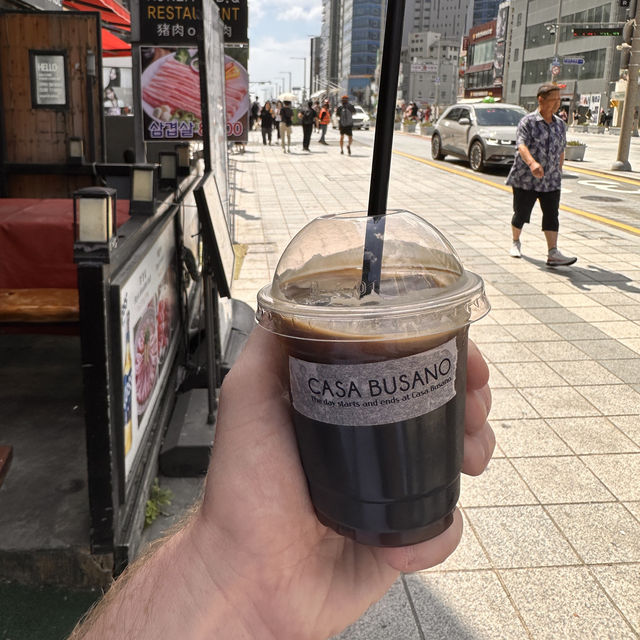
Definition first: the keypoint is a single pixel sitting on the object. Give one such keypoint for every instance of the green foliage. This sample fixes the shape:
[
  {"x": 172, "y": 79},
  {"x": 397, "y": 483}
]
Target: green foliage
[
  {"x": 574, "y": 143},
  {"x": 158, "y": 498}
]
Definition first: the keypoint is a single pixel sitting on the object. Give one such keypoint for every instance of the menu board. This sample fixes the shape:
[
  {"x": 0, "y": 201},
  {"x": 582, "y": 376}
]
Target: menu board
[
  {"x": 48, "y": 79},
  {"x": 149, "y": 319},
  {"x": 170, "y": 87}
]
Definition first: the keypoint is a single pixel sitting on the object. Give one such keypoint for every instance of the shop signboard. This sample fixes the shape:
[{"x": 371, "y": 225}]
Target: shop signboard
[
  {"x": 237, "y": 100},
  {"x": 48, "y": 79},
  {"x": 149, "y": 337},
  {"x": 170, "y": 22},
  {"x": 424, "y": 67},
  {"x": 235, "y": 18},
  {"x": 170, "y": 89}
]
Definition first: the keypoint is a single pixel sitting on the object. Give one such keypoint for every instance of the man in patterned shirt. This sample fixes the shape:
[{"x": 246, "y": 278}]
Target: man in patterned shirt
[{"x": 536, "y": 174}]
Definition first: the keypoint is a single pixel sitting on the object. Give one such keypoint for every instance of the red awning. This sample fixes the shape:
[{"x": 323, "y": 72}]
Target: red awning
[
  {"x": 110, "y": 11},
  {"x": 114, "y": 47}
]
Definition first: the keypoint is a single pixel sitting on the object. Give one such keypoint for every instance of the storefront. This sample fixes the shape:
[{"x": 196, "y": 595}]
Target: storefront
[{"x": 482, "y": 78}]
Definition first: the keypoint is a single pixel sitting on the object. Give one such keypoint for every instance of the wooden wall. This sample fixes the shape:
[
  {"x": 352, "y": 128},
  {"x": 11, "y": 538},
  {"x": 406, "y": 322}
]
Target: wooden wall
[{"x": 40, "y": 135}]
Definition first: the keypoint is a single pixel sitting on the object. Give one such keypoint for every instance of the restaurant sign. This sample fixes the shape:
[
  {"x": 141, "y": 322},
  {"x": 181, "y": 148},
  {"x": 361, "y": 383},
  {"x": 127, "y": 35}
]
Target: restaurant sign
[
  {"x": 170, "y": 85},
  {"x": 48, "y": 79},
  {"x": 170, "y": 21},
  {"x": 235, "y": 18}
]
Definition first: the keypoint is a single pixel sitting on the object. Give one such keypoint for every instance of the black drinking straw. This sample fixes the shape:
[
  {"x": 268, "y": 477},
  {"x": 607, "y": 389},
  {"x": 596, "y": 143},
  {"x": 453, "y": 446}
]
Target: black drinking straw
[{"x": 382, "y": 146}]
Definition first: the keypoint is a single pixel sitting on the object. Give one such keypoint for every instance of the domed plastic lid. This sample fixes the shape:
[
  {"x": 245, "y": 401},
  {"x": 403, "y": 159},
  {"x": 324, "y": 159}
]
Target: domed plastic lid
[{"x": 316, "y": 290}]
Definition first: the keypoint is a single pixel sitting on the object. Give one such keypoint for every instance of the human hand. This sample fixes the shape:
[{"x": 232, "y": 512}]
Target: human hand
[
  {"x": 287, "y": 575},
  {"x": 536, "y": 169}
]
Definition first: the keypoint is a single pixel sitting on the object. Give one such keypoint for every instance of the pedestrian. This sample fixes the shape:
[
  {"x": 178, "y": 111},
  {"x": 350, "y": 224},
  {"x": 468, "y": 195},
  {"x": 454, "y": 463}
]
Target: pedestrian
[
  {"x": 278, "y": 118},
  {"x": 575, "y": 118},
  {"x": 427, "y": 113},
  {"x": 316, "y": 108},
  {"x": 345, "y": 122},
  {"x": 324, "y": 118},
  {"x": 252, "y": 560},
  {"x": 609, "y": 118},
  {"x": 536, "y": 174},
  {"x": 267, "y": 119},
  {"x": 308, "y": 117},
  {"x": 254, "y": 114},
  {"x": 286, "y": 121}
]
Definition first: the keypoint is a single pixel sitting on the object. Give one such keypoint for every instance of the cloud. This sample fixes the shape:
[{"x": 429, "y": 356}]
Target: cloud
[{"x": 301, "y": 13}]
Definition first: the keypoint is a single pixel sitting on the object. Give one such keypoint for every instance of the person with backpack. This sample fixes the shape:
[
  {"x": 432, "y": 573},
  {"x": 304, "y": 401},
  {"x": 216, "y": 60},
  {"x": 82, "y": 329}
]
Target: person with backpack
[
  {"x": 254, "y": 114},
  {"x": 345, "y": 122},
  {"x": 324, "y": 118},
  {"x": 308, "y": 116}
]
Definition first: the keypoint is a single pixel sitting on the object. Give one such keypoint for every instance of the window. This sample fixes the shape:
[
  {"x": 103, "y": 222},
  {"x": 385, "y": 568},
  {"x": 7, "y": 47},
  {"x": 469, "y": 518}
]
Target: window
[
  {"x": 519, "y": 21},
  {"x": 513, "y": 86},
  {"x": 516, "y": 55}
]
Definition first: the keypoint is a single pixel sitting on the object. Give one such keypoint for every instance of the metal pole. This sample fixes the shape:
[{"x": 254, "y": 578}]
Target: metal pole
[
  {"x": 557, "y": 42},
  {"x": 630, "y": 102}
]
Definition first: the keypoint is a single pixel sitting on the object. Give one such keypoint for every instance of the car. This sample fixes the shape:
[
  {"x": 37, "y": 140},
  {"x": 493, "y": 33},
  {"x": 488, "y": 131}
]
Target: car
[
  {"x": 361, "y": 119},
  {"x": 483, "y": 133}
]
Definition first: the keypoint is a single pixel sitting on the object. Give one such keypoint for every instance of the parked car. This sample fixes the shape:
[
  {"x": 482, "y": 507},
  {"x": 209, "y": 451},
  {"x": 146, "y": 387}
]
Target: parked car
[
  {"x": 482, "y": 133},
  {"x": 361, "y": 119}
]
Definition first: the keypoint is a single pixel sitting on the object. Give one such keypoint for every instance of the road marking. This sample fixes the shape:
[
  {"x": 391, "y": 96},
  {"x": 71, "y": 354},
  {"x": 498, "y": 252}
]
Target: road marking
[
  {"x": 600, "y": 174},
  {"x": 607, "y": 185},
  {"x": 503, "y": 187}
]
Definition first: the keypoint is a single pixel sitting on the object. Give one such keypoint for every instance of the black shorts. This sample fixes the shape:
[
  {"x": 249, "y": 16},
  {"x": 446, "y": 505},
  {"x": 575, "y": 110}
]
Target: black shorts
[
  {"x": 523, "y": 201},
  {"x": 347, "y": 131}
]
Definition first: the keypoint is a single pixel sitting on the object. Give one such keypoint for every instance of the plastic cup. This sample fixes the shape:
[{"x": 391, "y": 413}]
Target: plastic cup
[{"x": 377, "y": 382}]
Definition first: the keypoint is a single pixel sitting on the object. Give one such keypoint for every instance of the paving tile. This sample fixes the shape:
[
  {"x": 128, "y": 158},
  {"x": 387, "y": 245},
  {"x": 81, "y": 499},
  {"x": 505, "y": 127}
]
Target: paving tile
[
  {"x": 578, "y": 331},
  {"x": 592, "y": 435},
  {"x": 556, "y": 350},
  {"x": 561, "y": 479},
  {"x": 519, "y": 438},
  {"x": 516, "y": 287},
  {"x": 531, "y": 332},
  {"x": 558, "y": 402},
  {"x": 605, "y": 349},
  {"x": 513, "y": 316},
  {"x": 634, "y": 508},
  {"x": 626, "y": 370},
  {"x": 552, "y": 315},
  {"x": 499, "y": 485},
  {"x": 626, "y": 329},
  {"x": 507, "y": 352},
  {"x": 572, "y": 300},
  {"x": 391, "y": 617},
  {"x": 496, "y": 379},
  {"x": 614, "y": 399},
  {"x": 535, "y": 301},
  {"x": 619, "y": 472},
  {"x": 601, "y": 533},
  {"x": 564, "y": 602},
  {"x": 554, "y": 287},
  {"x": 501, "y": 302},
  {"x": 467, "y": 556},
  {"x": 622, "y": 583},
  {"x": 530, "y": 374},
  {"x": 596, "y": 314},
  {"x": 584, "y": 372},
  {"x": 508, "y": 404},
  {"x": 629, "y": 425},
  {"x": 632, "y": 343},
  {"x": 631, "y": 312},
  {"x": 457, "y": 605},
  {"x": 492, "y": 333},
  {"x": 521, "y": 536}
]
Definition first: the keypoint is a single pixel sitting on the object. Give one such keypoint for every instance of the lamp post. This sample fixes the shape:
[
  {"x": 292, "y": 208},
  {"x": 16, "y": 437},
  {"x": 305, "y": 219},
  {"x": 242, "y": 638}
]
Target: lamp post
[
  {"x": 304, "y": 78},
  {"x": 289, "y": 72},
  {"x": 554, "y": 29},
  {"x": 631, "y": 98}
]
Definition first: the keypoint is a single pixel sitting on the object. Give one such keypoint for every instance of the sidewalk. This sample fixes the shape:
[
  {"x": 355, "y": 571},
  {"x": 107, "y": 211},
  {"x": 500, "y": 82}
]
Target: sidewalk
[{"x": 552, "y": 529}]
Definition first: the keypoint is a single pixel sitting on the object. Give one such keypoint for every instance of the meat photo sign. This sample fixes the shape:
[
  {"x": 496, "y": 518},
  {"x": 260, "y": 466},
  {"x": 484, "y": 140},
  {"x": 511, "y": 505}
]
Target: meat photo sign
[{"x": 149, "y": 317}]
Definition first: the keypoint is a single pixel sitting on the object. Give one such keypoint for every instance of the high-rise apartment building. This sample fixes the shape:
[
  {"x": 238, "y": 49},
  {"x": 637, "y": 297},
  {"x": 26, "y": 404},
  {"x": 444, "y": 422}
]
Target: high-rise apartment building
[
  {"x": 450, "y": 18},
  {"x": 485, "y": 11}
]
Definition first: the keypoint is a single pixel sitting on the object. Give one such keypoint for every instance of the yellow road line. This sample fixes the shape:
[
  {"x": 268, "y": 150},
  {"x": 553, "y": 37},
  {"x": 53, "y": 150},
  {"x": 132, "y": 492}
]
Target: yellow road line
[
  {"x": 600, "y": 174},
  {"x": 503, "y": 187}
]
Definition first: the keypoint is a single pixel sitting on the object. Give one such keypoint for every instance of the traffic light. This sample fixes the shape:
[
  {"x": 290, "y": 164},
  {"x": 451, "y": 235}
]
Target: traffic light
[
  {"x": 625, "y": 47},
  {"x": 624, "y": 3}
]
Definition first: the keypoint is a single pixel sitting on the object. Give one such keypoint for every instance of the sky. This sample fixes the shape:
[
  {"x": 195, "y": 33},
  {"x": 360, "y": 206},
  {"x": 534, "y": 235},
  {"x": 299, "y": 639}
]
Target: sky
[{"x": 278, "y": 31}]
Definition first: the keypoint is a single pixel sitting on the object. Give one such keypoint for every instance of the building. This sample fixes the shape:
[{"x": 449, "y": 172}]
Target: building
[
  {"x": 331, "y": 47},
  {"x": 587, "y": 67},
  {"x": 480, "y": 77},
  {"x": 485, "y": 11},
  {"x": 433, "y": 69},
  {"x": 315, "y": 58}
]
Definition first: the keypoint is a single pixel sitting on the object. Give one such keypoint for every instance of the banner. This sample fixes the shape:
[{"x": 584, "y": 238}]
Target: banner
[
  {"x": 237, "y": 93},
  {"x": 170, "y": 87}
]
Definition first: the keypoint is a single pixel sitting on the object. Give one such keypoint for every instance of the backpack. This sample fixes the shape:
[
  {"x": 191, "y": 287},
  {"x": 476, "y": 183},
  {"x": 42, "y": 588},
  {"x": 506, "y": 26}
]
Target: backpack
[
  {"x": 308, "y": 116},
  {"x": 346, "y": 116}
]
